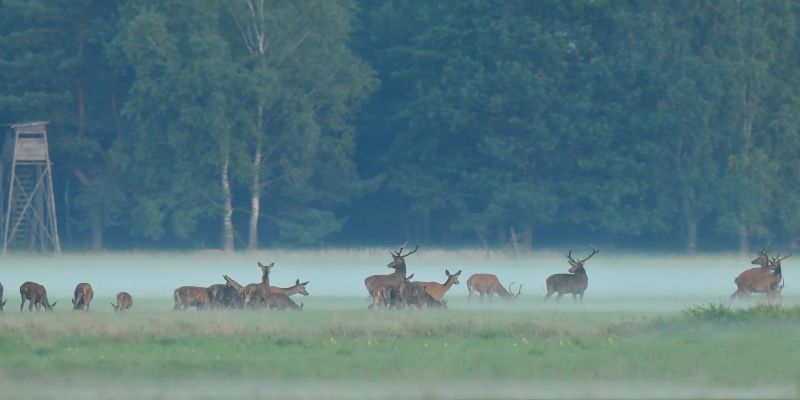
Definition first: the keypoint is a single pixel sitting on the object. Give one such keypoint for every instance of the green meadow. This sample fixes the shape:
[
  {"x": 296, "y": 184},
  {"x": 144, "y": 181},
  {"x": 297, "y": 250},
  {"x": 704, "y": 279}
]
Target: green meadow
[{"x": 469, "y": 351}]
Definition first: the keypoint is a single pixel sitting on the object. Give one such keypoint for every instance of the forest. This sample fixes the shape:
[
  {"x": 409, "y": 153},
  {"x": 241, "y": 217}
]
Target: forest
[{"x": 503, "y": 124}]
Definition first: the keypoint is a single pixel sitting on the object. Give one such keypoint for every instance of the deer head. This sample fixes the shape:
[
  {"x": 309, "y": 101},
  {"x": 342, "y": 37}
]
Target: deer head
[
  {"x": 453, "y": 277},
  {"x": 266, "y": 268},
  {"x": 576, "y": 265},
  {"x": 775, "y": 263},
  {"x": 762, "y": 259},
  {"x": 399, "y": 259},
  {"x": 302, "y": 287},
  {"x": 49, "y": 307},
  {"x": 232, "y": 283}
]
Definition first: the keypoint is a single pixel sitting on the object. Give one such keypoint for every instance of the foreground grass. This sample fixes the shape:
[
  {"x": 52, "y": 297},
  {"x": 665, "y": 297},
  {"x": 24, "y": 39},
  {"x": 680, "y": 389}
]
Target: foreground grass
[{"x": 712, "y": 345}]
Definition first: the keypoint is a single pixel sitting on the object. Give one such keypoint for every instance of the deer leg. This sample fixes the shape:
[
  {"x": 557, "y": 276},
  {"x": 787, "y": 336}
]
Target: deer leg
[
  {"x": 481, "y": 298},
  {"x": 581, "y": 297},
  {"x": 548, "y": 295},
  {"x": 22, "y": 304},
  {"x": 469, "y": 296},
  {"x": 558, "y": 298},
  {"x": 574, "y": 298}
]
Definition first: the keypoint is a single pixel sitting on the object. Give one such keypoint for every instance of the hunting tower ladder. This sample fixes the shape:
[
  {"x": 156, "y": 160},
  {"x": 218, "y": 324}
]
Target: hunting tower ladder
[{"x": 27, "y": 204}]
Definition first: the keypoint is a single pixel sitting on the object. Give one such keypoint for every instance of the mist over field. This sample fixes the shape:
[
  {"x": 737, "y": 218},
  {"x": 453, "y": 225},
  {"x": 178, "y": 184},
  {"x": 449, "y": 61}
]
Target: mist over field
[{"x": 639, "y": 277}]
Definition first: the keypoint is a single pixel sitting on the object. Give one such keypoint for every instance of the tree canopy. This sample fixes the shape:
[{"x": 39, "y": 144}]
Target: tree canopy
[{"x": 502, "y": 124}]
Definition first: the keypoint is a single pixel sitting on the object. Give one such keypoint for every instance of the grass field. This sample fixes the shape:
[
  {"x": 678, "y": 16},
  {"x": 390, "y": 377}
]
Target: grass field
[
  {"x": 705, "y": 352},
  {"x": 615, "y": 345}
]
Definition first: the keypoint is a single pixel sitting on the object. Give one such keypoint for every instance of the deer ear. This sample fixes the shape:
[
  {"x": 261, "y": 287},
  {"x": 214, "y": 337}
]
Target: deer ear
[
  {"x": 297, "y": 282},
  {"x": 447, "y": 272},
  {"x": 458, "y": 273},
  {"x": 304, "y": 283}
]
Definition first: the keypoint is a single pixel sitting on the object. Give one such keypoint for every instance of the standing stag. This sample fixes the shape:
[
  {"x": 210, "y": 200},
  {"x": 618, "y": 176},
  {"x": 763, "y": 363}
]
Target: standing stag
[
  {"x": 82, "y": 297},
  {"x": 489, "y": 285},
  {"x": 36, "y": 295},
  {"x": 124, "y": 302},
  {"x": 575, "y": 282},
  {"x": 393, "y": 284},
  {"x": 766, "y": 279},
  {"x": 753, "y": 279},
  {"x": 257, "y": 295},
  {"x": 2, "y": 302}
]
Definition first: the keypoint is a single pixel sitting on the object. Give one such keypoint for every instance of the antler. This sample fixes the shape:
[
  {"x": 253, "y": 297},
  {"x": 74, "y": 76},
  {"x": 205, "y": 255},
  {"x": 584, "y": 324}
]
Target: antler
[
  {"x": 569, "y": 256},
  {"x": 410, "y": 253},
  {"x": 594, "y": 251},
  {"x": 519, "y": 291},
  {"x": 510, "y": 291},
  {"x": 397, "y": 254}
]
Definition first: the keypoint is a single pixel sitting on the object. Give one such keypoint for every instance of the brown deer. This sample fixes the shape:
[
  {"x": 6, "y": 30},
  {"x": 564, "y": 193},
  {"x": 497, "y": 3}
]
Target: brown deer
[
  {"x": 124, "y": 302},
  {"x": 394, "y": 283},
  {"x": 489, "y": 285},
  {"x": 297, "y": 288},
  {"x": 36, "y": 295},
  {"x": 191, "y": 296},
  {"x": 750, "y": 279},
  {"x": 381, "y": 294},
  {"x": 226, "y": 296},
  {"x": 281, "y": 301},
  {"x": 2, "y": 302},
  {"x": 82, "y": 297},
  {"x": 434, "y": 290},
  {"x": 760, "y": 280},
  {"x": 256, "y": 295},
  {"x": 574, "y": 282}
]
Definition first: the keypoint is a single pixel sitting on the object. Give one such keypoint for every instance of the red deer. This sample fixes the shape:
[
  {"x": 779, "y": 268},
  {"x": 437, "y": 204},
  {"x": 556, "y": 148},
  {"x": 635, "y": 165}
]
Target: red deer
[
  {"x": 232, "y": 295},
  {"x": 488, "y": 284},
  {"x": 434, "y": 290},
  {"x": 215, "y": 294},
  {"x": 280, "y": 301},
  {"x": 191, "y": 296},
  {"x": 82, "y": 297},
  {"x": 2, "y": 302},
  {"x": 749, "y": 280},
  {"x": 36, "y": 295},
  {"x": 256, "y": 295},
  {"x": 394, "y": 283},
  {"x": 574, "y": 282},
  {"x": 760, "y": 280},
  {"x": 381, "y": 294},
  {"x": 124, "y": 302},
  {"x": 292, "y": 290}
]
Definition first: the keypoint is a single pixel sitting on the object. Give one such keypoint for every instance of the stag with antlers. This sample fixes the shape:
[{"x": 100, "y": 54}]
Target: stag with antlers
[
  {"x": 393, "y": 284},
  {"x": 768, "y": 278},
  {"x": 575, "y": 282},
  {"x": 489, "y": 285}
]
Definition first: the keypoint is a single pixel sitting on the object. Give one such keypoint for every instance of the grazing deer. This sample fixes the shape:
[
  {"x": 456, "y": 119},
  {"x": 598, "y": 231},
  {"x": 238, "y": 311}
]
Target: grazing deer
[
  {"x": 124, "y": 302},
  {"x": 191, "y": 296},
  {"x": 36, "y": 295},
  {"x": 256, "y": 295},
  {"x": 2, "y": 302},
  {"x": 280, "y": 301},
  {"x": 292, "y": 290},
  {"x": 394, "y": 283},
  {"x": 82, "y": 297},
  {"x": 575, "y": 282},
  {"x": 488, "y": 284}
]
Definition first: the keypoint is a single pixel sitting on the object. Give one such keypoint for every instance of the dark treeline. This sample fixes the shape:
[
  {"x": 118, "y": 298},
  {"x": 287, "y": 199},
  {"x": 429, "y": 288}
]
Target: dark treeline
[{"x": 503, "y": 124}]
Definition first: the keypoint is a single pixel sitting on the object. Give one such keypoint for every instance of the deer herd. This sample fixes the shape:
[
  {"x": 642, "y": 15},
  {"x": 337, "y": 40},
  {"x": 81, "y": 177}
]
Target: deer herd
[{"x": 394, "y": 290}]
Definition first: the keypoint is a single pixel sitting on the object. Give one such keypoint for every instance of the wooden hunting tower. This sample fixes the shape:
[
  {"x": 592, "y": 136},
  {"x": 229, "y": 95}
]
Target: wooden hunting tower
[{"x": 27, "y": 204}]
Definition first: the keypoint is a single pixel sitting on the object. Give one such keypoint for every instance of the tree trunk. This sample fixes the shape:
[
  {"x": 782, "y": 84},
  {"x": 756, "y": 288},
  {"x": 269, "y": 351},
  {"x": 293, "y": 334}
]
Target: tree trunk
[
  {"x": 255, "y": 201},
  {"x": 744, "y": 244},
  {"x": 691, "y": 237},
  {"x": 227, "y": 219},
  {"x": 97, "y": 235},
  {"x": 502, "y": 240},
  {"x": 527, "y": 238},
  {"x": 484, "y": 242}
]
